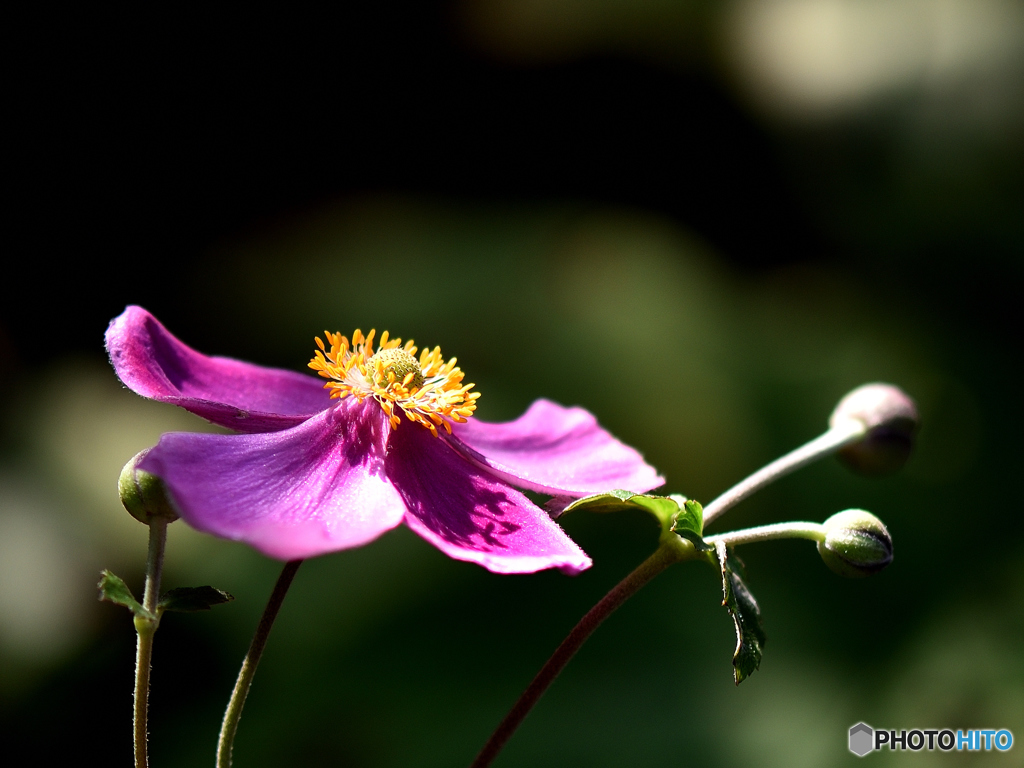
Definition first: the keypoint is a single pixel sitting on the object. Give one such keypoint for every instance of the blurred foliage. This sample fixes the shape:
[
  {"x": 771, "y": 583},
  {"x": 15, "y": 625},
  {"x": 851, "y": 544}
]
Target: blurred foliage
[{"x": 685, "y": 340}]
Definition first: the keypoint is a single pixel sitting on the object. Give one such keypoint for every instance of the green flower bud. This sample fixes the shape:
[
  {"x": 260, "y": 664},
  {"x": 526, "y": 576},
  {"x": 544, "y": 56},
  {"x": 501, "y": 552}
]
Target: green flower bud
[
  {"x": 856, "y": 544},
  {"x": 143, "y": 494},
  {"x": 891, "y": 418}
]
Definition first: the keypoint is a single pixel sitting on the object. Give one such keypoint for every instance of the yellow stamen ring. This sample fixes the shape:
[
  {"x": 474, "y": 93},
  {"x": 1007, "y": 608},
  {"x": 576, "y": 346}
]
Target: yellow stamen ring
[{"x": 428, "y": 390}]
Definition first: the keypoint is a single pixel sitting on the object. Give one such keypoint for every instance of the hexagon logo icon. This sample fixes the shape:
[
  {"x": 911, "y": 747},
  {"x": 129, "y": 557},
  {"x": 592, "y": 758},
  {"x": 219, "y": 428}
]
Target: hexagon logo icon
[{"x": 862, "y": 737}]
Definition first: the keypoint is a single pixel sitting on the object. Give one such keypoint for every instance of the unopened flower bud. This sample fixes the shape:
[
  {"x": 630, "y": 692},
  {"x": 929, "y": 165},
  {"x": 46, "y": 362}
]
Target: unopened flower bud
[
  {"x": 856, "y": 544},
  {"x": 143, "y": 494},
  {"x": 891, "y": 419}
]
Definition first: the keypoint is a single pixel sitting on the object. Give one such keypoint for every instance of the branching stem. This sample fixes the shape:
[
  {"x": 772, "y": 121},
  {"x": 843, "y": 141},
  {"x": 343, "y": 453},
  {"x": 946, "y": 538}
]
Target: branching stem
[{"x": 672, "y": 550}]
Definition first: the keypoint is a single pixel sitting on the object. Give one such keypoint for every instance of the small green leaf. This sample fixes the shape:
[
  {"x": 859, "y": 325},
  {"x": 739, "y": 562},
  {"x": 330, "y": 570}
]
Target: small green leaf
[
  {"x": 114, "y": 590},
  {"x": 612, "y": 501},
  {"x": 693, "y": 513},
  {"x": 191, "y": 599},
  {"x": 746, "y": 615},
  {"x": 689, "y": 523},
  {"x": 662, "y": 507},
  {"x": 673, "y": 512}
]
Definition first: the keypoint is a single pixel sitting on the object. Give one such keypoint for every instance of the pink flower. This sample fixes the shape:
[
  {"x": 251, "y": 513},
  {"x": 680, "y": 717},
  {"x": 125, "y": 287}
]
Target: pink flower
[{"x": 320, "y": 468}]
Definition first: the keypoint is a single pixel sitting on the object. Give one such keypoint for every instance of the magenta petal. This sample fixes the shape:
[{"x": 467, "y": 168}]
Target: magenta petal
[
  {"x": 557, "y": 450},
  {"x": 296, "y": 493},
  {"x": 468, "y": 514},
  {"x": 237, "y": 395}
]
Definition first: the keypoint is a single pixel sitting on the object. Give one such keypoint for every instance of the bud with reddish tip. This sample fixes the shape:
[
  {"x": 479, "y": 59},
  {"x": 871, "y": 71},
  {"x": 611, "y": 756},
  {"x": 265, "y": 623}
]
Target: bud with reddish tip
[
  {"x": 856, "y": 544},
  {"x": 891, "y": 419},
  {"x": 143, "y": 494}
]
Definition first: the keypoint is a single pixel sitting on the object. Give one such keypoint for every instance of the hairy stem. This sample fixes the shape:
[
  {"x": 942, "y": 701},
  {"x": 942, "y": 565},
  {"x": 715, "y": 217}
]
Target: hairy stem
[
  {"x": 259, "y": 641},
  {"x": 672, "y": 550},
  {"x": 794, "y": 530},
  {"x": 145, "y": 627},
  {"x": 835, "y": 439}
]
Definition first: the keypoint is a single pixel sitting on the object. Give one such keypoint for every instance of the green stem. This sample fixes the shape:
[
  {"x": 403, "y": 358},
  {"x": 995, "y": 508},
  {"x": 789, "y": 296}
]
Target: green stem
[
  {"x": 794, "y": 530},
  {"x": 672, "y": 550},
  {"x": 259, "y": 641},
  {"x": 145, "y": 627},
  {"x": 835, "y": 439}
]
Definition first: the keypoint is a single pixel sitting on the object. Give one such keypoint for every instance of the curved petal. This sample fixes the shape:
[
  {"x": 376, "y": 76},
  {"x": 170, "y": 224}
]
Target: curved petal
[
  {"x": 556, "y": 450},
  {"x": 240, "y": 396},
  {"x": 296, "y": 493},
  {"x": 470, "y": 515}
]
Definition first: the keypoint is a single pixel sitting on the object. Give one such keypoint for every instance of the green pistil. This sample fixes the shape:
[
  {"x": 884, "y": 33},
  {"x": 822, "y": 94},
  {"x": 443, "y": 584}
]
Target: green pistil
[{"x": 401, "y": 363}]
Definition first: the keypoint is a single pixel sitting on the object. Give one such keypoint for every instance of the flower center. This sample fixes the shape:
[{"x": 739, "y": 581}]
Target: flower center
[
  {"x": 428, "y": 390},
  {"x": 398, "y": 363}
]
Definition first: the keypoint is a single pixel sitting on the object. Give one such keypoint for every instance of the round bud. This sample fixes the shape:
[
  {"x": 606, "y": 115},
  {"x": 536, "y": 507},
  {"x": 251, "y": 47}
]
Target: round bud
[
  {"x": 143, "y": 494},
  {"x": 891, "y": 418},
  {"x": 856, "y": 544}
]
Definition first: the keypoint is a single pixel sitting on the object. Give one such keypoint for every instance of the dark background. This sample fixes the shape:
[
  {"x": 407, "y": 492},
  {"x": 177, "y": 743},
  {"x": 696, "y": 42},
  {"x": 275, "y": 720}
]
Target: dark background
[{"x": 611, "y": 217}]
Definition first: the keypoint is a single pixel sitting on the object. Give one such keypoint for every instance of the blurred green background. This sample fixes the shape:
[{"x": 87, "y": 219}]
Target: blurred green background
[{"x": 704, "y": 222}]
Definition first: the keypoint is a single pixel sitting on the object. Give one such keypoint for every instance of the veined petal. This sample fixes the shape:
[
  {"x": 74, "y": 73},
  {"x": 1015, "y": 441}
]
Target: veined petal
[
  {"x": 557, "y": 450},
  {"x": 296, "y": 493},
  {"x": 240, "y": 396},
  {"x": 470, "y": 515}
]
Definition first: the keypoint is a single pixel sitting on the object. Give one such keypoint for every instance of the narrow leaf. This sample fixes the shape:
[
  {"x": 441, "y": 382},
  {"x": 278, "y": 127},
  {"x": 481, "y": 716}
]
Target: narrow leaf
[
  {"x": 746, "y": 615},
  {"x": 191, "y": 599},
  {"x": 114, "y": 590}
]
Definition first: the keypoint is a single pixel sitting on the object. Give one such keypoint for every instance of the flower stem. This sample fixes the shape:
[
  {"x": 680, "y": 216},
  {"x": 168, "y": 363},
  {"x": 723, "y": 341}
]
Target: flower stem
[
  {"x": 672, "y": 550},
  {"x": 794, "y": 530},
  {"x": 145, "y": 627},
  {"x": 840, "y": 436},
  {"x": 259, "y": 641}
]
